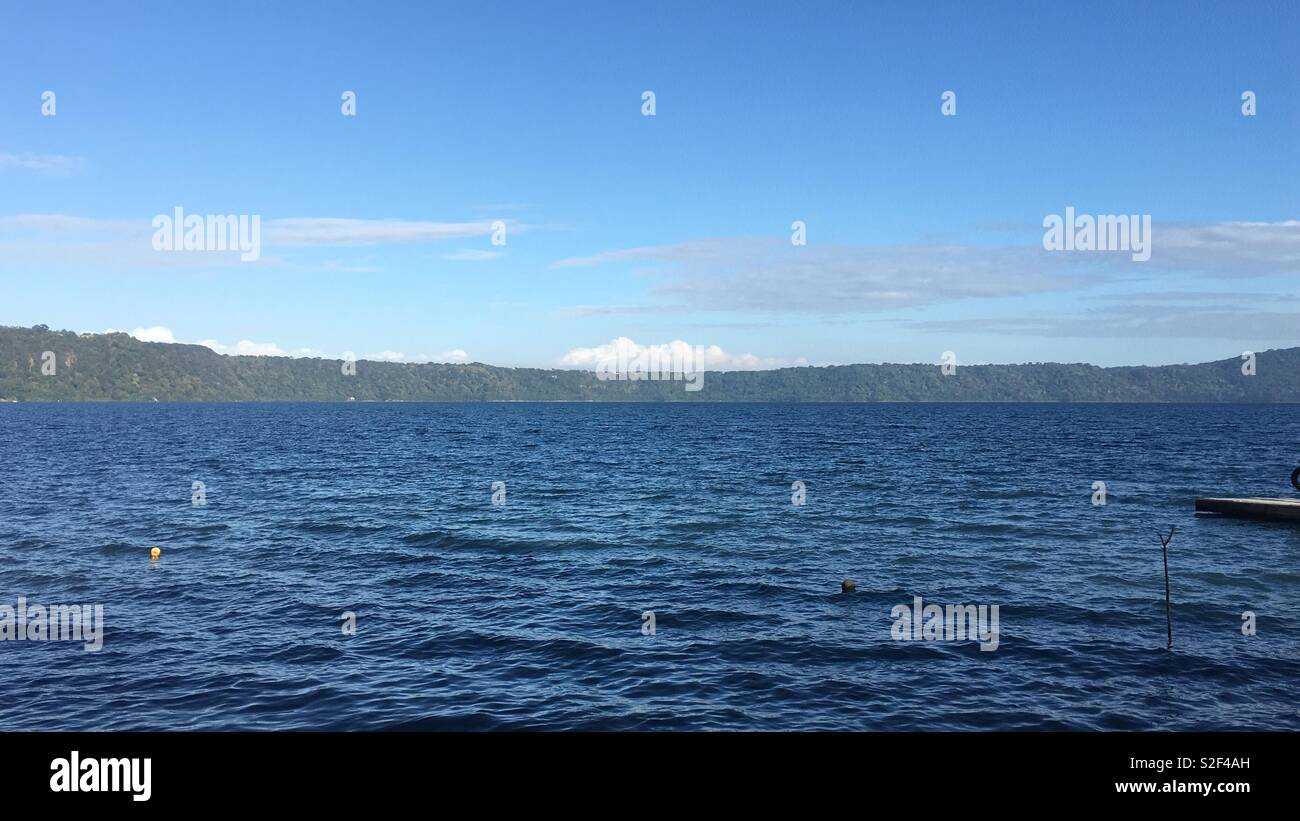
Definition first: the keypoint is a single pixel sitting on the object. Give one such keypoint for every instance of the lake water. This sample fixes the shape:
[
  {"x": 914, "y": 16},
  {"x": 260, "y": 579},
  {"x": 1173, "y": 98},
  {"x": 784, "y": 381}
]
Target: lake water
[{"x": 529, "y": 614}]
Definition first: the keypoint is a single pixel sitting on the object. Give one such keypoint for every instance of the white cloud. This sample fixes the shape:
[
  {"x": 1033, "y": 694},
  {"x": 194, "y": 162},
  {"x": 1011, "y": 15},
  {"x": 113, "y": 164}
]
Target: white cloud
[
  {"x": 579, "y": 311},
  {"x": 472, "y": 255},
  {"x": 1228, "y": 248},
  {"x": 56, "y": 165},
  {"x": 247, "y": 347},
  {"x": 1236, "y": 322},
  {"x": 715, "y": 359},
  {"x": 283, "y": 231},
  {"x": 105, "y": 245},
  {"x": 337, "y": 231},
  {"x": 769, "y": 275},
  {"x": 157, "y": 333},
  {"x": 335, "y": 266},
  {"x": 125, "y": 244},
  {"x": 455, "y": 356},
  {"x": 764, "y": 274},
  {"x": 65, "y": 224}
]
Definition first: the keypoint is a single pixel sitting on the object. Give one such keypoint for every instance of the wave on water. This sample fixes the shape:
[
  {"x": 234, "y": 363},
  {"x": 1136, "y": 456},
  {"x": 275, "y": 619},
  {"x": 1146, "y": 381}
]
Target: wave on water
[{"x": 685, "y": 585}]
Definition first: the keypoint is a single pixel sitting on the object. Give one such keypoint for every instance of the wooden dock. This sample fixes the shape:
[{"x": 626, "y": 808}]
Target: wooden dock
[{"x": 1278, "y": 509}]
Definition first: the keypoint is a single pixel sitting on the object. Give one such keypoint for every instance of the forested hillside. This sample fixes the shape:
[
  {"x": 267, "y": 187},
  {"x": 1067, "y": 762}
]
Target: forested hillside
[{"x": 117, "y": 367}]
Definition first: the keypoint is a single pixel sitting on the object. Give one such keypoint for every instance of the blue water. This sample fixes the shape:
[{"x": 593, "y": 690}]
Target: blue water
[{"x": 528, "y": 614}]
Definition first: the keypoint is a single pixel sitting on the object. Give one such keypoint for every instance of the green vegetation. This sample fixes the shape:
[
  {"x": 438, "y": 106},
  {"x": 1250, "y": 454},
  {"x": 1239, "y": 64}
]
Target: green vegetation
[{"x": 116, "y": 367}]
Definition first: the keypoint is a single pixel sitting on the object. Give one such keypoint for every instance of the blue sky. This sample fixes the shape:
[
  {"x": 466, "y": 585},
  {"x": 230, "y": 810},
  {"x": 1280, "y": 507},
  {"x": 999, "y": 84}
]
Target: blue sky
[{"x": 924, "y": 232}]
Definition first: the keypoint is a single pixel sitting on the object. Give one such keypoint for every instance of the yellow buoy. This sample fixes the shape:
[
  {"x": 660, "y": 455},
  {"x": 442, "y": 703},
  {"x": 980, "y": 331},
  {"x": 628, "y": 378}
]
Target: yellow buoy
[{"x": 155, "y": 553}]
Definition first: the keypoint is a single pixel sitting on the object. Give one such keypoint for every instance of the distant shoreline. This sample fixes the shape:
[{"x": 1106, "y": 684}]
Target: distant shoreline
[{"x": 41, "y": 365}]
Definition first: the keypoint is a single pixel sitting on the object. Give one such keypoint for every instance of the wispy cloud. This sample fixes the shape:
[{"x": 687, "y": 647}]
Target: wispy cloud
[
  {"x": 769, "y": 275},
  {"x": 580, "y": 311},
  {"x": 292, "y": 231},
  {"x": 55, "y": 165},
  {"x": 68, "y": 225},
  {"x": 339, "y": 267},
  {"x": 472, "y": 255},
  {"x": 1184, "y": 297},
  {"x": 763, "y": 274},
  {"x": 1136, "y": 322},
  {"x": 339, "y": 231},
  {"x": 1229, "y": 248},
  {"x": 126, "y": 244}
]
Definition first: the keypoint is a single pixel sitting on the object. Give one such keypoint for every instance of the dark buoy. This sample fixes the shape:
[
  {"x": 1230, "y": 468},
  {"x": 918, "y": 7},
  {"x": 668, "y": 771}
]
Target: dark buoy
[{"x": 848, "y": 586}]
